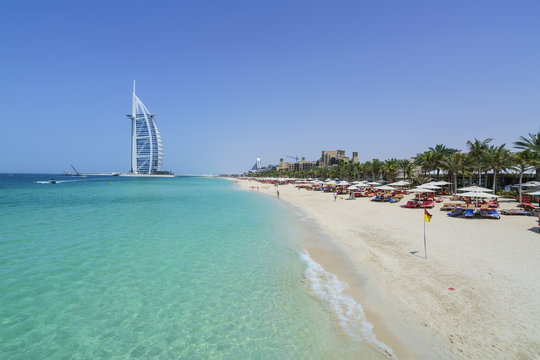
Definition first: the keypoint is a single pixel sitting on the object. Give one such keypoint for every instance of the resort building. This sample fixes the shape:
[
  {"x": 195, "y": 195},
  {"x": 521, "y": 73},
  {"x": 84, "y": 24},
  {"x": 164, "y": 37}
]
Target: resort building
[
  {"x": 332, "y": 157},
  {"x": 328, "y": 158},
  {"x": 146, "y": 145},
  {"x": 296, "y": 166}
]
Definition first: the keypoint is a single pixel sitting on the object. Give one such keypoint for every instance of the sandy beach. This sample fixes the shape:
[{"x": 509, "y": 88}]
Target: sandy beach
[{"x": 491, "y": 265}]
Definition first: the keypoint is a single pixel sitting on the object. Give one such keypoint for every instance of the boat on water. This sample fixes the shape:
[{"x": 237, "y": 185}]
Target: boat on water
[
  {"x": 67, "y": 173},
  {"x": 52, "y": 181}
]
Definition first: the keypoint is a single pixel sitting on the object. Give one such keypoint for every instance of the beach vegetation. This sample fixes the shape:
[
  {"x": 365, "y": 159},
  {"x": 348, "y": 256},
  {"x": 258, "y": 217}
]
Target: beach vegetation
[
  {"x": 482, "y": 161},
  {"x": 453, "y": 163},
  {"x": 522, "y": 162},
  {"x": 498, "y": 158},
  {"x": 439, "y": 152},
  {"x": 532, "y": 144},
  {"x": 477, "y": 152},
  {"x": 390, "y": 169}
]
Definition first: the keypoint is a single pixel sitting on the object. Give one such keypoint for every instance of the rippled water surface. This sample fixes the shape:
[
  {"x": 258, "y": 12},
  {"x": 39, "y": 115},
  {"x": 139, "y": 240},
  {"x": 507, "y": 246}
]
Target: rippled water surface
[{"x": 157, "y": 268}]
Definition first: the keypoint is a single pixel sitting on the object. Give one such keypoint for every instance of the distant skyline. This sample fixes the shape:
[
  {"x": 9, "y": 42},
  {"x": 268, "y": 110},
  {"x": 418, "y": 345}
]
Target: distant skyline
[{"x": 236, "y": 80}]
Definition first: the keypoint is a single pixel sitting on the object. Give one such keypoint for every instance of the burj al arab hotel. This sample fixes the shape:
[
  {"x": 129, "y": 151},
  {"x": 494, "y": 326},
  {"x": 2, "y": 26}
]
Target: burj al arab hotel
[{"x": 146, "y": 146}]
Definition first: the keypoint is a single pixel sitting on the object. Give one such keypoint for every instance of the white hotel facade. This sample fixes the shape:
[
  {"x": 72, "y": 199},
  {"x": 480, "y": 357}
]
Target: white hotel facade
[{"x": 146, "y": 145}]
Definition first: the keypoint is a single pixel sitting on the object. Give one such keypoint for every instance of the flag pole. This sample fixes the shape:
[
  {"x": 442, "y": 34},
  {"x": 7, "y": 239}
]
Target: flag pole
[{"x": 425, "y": 248}]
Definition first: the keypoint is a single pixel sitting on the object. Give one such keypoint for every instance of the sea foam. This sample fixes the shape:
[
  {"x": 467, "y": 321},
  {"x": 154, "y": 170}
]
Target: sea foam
[{"x": 350, "y": 314}]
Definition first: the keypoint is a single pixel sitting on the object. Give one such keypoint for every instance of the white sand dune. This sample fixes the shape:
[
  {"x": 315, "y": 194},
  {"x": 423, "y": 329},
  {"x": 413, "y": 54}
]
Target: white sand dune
[{"x": 492, "y": 265}]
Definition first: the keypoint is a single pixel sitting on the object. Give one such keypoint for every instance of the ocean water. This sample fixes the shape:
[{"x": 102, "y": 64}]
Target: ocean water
[{"x": 182, "y": 268}]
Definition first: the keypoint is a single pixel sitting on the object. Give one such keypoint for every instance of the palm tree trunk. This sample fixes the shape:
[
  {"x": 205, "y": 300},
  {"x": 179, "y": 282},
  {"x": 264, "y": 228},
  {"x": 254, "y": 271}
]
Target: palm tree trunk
[
  {"x": 479, "y": 176},
  {"x": 494, "y": 181},
  {"x": 520, "y": 182},
  {"x": 455, "y": 182}
]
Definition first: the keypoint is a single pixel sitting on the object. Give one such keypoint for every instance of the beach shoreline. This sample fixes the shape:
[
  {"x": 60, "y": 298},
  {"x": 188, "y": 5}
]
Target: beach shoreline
[{"x": 377, "y": 249}]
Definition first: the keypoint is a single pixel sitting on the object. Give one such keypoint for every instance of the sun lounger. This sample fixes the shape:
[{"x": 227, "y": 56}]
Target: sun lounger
[
  {"x": 427, "y": 204},
  {"x": 455, "y": 212},
  {"x": 377, "y": 198},
  {"x": 469, "y": 213},
  {"x": 449, "y": 206},
  {"x": 530, "y": 207},
  {"x": 411, "y": 204},
  {"x": 489, "y": 213},
  {"x": 516, "y": 212}
]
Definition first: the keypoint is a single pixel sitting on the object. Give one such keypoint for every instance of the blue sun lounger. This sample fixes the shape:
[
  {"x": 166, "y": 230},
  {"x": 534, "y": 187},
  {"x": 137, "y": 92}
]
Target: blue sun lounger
[
  {"x": 469, "y": 213},
  {"x": 455, "y": 212},
  {"x": 492, "y": 214},
  {"x": 516, "y": 212}
]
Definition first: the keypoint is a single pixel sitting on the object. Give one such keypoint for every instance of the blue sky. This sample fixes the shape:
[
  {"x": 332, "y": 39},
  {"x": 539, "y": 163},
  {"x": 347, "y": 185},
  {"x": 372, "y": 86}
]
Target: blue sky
[{"x": 233, "y": 80}]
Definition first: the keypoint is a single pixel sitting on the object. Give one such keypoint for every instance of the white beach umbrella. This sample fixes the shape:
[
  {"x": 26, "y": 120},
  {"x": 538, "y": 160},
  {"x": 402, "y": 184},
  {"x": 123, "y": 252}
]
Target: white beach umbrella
[
  {"x": 421, "y": 190},
  {"x": 531, "y": 184},
  {"x": 373, "y": 183},
  {"x": 353, "y": 187},
  {"x": 343, "y": 183},
  {"x": 429, "y": 186},
  {"x": 536, "y": 193},
  {"x": 478, "y": 194},
  {"x": 399, "y": 183},
  {"x": 385, "y": 187},
  {"x": 442, "y": 183},
  {"x": 474, "y": 188}
]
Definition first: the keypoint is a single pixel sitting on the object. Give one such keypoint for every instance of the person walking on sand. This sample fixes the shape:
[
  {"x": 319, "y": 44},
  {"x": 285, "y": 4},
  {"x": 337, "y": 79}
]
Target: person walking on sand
[
  {"x": 277, "y": 193},
  {"x": 335, "y": 196}
]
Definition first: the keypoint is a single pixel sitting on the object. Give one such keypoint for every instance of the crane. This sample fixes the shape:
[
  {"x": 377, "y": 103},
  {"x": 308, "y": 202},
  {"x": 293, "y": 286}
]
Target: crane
[
  {"x": 76, "y": 172},
  {"x": 293, "y": 157}
]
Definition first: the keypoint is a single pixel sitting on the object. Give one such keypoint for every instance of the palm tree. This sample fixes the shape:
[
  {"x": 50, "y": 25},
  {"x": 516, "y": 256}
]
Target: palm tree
[
  {"x": 523, "y": 161},
  {"x": 406, "y": 166},
  {"x": 390, "y": 168},
  {"x": 376, "y": 168},
  {"x": 427, "y": 161},
  {"x": 439, "y": 152},
  {"x": 477, "y": 151},
  {"x": 358, "y": 170},
  {"x": 498, "y": 158},
  {"x": 453, "y": 163},
  {"x": 533, "y": 145}
]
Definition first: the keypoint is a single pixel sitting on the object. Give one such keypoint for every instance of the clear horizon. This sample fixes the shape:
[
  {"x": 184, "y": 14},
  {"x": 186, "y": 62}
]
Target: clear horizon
[{"x": 239, "y": 80}]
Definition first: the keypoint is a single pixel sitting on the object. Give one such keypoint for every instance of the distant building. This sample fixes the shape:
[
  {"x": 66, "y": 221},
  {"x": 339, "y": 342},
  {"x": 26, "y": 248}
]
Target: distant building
[
  {"x": 328, "y": 158},
  {"x": 146, "y": 145},
  {"x": 296, "y": 166},
  {"x": 257, "y": 165},
  {"x": 332, "y": 157}
]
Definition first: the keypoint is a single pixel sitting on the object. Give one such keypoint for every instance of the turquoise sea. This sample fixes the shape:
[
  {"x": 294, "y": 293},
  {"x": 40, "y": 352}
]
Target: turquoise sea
[{"x": 167, "y": 268}]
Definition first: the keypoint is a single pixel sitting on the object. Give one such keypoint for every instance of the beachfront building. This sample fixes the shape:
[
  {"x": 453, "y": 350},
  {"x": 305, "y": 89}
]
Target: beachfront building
[
  {"x": 296, "y": 166},
  {"x": 332, "y": 157},
  {"x": 146, "y": 145}
]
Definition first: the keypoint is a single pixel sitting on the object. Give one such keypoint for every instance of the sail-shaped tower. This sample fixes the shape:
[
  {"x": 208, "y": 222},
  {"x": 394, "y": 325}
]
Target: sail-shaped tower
[{"x": 146, "y": 146}]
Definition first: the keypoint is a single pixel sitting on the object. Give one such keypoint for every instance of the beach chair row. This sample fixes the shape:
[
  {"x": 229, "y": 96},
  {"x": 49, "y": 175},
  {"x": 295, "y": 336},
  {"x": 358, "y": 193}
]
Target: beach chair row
[{"x": 472, "y": 213}]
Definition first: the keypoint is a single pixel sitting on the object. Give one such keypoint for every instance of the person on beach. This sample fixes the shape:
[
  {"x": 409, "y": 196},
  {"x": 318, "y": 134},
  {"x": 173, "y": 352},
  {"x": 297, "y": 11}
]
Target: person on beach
[
  {"x": 335, "y": 196},
  {"x": 277, "y": 193}
]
